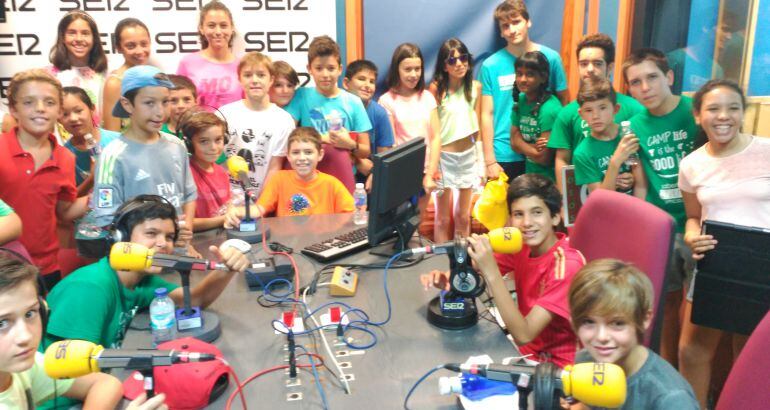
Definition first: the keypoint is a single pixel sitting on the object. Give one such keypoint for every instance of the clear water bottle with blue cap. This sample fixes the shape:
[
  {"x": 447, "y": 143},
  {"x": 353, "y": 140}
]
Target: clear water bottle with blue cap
[
  {"x": 162, "y": 317},
  {"x": 474, "y": 387}
]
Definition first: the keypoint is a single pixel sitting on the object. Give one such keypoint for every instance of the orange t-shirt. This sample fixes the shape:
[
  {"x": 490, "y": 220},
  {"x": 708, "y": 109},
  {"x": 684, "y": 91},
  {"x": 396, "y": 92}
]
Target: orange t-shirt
[{"x": 288, "y": 195}]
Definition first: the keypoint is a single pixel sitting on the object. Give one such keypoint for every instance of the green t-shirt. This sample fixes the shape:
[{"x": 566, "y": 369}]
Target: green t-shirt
[
  {"x": 5, "y": 210},
  {"x": 92, "y": 304},
  {"x": 33, "y": 384},
  {"x": 532, "y": 126},
  {"x": 663, "y": 142},
  {"x": 592, "y": 158},
  {"x": 569, "y": 129}
]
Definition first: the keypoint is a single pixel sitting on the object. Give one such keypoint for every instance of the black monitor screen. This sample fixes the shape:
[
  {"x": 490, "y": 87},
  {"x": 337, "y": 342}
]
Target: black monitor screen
[{"x": 397, "y": 179}]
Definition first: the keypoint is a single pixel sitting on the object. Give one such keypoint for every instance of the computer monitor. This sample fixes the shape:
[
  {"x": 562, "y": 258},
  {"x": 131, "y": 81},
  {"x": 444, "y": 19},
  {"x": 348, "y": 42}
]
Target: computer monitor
[{"x": 396, "y": 182}]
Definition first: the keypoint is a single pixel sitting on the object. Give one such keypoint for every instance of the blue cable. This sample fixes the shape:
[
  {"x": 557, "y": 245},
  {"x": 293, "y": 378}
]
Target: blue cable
[
  {"x": 417, "y": 383},
  {"x": 317, "y": 378},
  {"x": 385, "y": 286}
]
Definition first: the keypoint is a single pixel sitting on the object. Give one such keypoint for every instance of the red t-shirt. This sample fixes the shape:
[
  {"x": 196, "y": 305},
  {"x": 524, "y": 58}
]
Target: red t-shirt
[
  {"x": 33, "y": 194},
  {"x": 544, "y": 281},
  {"x": 213, "y": 190}
]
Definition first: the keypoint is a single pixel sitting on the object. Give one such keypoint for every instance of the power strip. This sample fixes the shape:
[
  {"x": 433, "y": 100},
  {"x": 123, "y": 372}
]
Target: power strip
[{"x": 343, "y": 283}]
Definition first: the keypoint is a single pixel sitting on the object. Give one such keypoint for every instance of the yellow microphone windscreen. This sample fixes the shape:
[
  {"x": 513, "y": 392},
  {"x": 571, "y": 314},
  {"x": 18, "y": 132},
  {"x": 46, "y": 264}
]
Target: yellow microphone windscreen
[
  {"x": 235, "y": 165},
  {"x": 596, "y": 384},
  {"x": 67, "y": 359},
  {"x": 505, "y": 240},
  {"x": 130, "y": 256}
]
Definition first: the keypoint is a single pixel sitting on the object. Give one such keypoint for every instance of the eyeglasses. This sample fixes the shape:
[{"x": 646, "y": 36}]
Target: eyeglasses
[{"x": 463, "y": 58}]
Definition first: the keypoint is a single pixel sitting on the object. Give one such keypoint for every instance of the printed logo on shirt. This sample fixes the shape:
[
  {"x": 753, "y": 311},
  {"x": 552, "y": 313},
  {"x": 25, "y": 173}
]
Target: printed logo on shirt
[
  {"x": 104, "y": 199},
  {"x": 505, "y": 82},
  {"x": 141, "y": 174},
  {"x": 299, "y": 204}
]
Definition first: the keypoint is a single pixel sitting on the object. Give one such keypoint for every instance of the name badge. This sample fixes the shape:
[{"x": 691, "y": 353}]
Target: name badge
[{"x": 505, "y": 82}]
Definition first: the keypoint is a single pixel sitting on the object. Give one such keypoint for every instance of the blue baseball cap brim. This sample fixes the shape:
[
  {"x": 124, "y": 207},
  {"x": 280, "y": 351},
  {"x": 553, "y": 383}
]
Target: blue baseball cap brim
[{"x": 139, "y": 77}]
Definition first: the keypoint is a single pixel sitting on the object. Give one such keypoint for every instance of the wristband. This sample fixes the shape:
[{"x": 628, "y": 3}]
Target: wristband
[{"x": 491, "y": 163}]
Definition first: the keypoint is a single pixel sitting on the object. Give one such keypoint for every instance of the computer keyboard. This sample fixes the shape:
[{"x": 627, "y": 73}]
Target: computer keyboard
[{"x": 339, "y": 246}]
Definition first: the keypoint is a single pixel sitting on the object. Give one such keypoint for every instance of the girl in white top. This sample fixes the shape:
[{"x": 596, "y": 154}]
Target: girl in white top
[
  {"x": 726, "y": 180},
  {"x": 132, "y": 39},
  {"x": 456, "y": 94},
  {"x": 77, "y": 57}
]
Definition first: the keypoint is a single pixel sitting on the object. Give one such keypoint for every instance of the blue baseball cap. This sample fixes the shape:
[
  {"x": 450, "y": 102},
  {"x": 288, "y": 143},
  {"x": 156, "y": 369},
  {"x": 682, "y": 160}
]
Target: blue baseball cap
[{"x": 138, "y": 77}]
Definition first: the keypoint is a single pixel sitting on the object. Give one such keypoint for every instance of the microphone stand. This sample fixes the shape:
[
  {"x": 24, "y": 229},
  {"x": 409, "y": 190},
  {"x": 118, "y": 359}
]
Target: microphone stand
[
  {"x": 192, "y": 320},
  {"x": 249, "y": 228},
  {"x": 456, "y": 308}
]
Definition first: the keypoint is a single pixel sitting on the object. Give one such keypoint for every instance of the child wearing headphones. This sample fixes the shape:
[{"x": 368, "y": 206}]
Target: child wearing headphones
[
  {"x": 23, "y": 382},
  {"x": 204, "y": 136},
  {"x": 96, "y": 303}
]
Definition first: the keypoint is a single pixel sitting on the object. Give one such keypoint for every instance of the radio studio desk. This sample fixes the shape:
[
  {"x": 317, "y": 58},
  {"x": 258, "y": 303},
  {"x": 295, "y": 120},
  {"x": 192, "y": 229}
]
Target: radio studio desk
[{"x": 407, "y": 347}]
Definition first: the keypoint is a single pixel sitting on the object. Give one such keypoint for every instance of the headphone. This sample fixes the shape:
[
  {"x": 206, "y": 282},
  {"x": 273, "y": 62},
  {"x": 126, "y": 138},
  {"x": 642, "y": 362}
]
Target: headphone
[
  {"x": 188, "y": 116},
  {"x": 119, "y": 231},
  {"x": 44, "y": 311}
]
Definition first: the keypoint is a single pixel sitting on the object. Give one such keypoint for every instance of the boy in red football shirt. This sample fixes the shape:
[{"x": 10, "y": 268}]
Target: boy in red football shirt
[{"x": 543, "y": 269}]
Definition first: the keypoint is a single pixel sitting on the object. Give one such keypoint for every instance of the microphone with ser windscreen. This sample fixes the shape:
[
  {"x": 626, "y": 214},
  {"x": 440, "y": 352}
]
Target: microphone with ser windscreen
[
  {"x": 239, "y": 170},
  {"x": 595, "y": 384},
  {"x": 67, "y": 359},
  {"x": 503, "y": 240},
  {"x": 135, "y": 257}
]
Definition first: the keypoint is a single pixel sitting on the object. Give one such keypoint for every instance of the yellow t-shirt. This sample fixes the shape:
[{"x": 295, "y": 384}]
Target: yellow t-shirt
[
  {"x": 288, "y": 195},
  {"x": 34, "y": 385}
]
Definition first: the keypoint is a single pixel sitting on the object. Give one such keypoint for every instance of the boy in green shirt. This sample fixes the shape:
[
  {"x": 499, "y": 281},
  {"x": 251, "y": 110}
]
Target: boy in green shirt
[
  {"x": 534, "y": 112},
  {"x": 596, "y": 59},
  {"x": 601, "y": 157},
  {"x": 96, "y": 303},
  {"x": 666, "y": 130}
]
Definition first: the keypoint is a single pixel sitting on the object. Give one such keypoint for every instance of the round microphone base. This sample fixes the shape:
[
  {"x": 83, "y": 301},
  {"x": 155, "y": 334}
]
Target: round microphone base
[
  {"x": 209, "y": 330},
  {"x": 251, "y": 237},
  {"x": 453, "y": 316}
]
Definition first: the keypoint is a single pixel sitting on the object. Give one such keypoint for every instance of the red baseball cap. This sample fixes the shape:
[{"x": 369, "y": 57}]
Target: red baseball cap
[{"x": 187, "y": 385}]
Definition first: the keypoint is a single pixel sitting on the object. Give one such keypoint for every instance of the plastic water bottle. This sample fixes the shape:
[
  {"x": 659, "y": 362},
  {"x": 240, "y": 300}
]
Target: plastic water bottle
[
  {"x": 162, "y": 317},
  {"x": 92, "y": 145},
  {"x": 625, "y": 129},
  {"x": 474, "y": 387},
  {"x": 360, "y": 216}
]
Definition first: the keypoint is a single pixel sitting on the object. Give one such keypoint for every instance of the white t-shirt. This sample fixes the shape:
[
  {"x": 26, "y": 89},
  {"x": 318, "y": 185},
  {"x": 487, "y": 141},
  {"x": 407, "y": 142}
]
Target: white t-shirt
[
  {"x": 733, "y": 189},
  {"x": 257, "y": 136}
]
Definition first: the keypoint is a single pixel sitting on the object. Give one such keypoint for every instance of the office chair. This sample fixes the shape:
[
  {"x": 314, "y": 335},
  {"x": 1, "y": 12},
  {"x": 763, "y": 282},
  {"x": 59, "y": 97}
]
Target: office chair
[{"x": 615, "y": 225}]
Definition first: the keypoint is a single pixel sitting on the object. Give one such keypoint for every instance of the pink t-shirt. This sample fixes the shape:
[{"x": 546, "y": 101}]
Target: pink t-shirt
[
  {"x": 410, "y": 115},
  {"x": 213, "y": 190},
  {"x": 544, "y": 281},
  {"x": 217, "y": 83},
  {"x": 733, "y": 189}
]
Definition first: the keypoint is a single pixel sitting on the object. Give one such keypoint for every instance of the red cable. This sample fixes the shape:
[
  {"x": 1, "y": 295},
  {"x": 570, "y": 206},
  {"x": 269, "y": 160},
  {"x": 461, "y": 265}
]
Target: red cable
[
  {"x": 291, "y": 259},
  {"x": 256, "y": 375}
]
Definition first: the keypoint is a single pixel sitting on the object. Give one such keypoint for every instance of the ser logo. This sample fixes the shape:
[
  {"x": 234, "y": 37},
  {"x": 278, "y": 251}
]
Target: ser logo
[
  {"x": 61, "y": 351},
  {"x": 598, "y": 375},
  {"x": 276, "y": 41},
  {"x": 183, "y": 42},
  {"x": 178, "y": 5},
  {"x": 18, "y": 5},
  {"x": 94, "y": 5},
  {"x": 19, "y": 44},
  {"x": 275, "y": 5}
]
